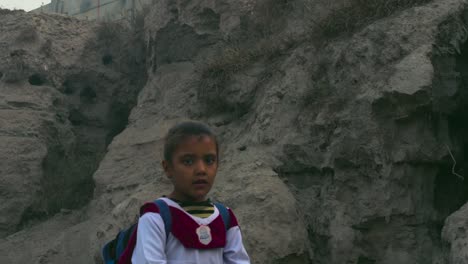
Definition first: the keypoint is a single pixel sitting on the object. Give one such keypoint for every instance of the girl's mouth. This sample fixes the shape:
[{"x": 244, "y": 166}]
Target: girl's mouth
[{"x": 200, "y": 182}]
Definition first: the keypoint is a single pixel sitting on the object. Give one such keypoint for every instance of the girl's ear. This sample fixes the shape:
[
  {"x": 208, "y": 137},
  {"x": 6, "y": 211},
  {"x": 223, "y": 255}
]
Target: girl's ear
[{"x": 166, "y": 166}]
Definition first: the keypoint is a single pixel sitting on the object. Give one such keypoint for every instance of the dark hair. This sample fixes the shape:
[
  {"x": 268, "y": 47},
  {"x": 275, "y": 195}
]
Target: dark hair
[{"x": 182, "y": 131}]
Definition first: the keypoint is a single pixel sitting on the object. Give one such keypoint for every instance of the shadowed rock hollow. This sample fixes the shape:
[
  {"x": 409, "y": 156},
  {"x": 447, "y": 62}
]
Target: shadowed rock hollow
[{"x": 337, "y": 146}]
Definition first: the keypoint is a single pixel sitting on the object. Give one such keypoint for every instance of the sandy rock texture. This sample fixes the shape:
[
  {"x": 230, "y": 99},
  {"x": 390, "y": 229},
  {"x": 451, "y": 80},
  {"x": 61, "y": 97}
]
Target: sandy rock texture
[
  {"x": 66, "y": 89},
  {"x": 349, "y": 149}
]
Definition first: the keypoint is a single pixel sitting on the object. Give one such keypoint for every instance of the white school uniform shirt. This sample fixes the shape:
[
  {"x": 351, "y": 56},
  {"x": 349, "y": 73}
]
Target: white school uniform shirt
[{"x": 154, "y": 247}]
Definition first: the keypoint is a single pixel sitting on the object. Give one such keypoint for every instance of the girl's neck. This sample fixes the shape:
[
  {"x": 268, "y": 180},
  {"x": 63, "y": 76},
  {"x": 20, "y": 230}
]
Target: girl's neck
[{"x": 182, "y": 199}]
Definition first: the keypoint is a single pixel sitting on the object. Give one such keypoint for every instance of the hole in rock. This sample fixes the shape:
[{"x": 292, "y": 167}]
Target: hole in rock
[
  {"x": 107, "y": 59},
  {"x": 68, "y": 87},
  {"x": 88, "y": 94},
  {"x": 76, "y": 117},
  {"x": 37, "y": 79}
]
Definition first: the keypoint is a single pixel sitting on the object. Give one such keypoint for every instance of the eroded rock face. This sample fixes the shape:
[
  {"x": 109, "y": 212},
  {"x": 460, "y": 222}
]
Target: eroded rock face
[
  {"x": 350, "y": 134},
  {"x": 61, "y": 105},
  {"x": 333, "y": 153},
  {"x": 34, "y": 121}
]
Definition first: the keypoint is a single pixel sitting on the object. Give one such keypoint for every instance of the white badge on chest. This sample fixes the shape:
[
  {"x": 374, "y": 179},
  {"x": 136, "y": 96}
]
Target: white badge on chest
[{"x": 204, "y": 234}]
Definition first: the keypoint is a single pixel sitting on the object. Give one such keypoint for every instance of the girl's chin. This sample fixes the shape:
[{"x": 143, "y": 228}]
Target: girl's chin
[
  {"x": 199, "y": 198},
  {"x": 198, "y": 195}
]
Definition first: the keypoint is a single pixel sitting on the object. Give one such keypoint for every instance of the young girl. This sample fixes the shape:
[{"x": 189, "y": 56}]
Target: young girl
[{"x": 199, "y": 232}]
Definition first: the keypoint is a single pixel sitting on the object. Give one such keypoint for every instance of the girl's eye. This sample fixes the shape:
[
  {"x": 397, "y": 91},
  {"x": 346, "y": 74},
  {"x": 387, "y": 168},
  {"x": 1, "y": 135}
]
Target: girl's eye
[
  {"x": 210, "y": 160},
  {"x": 187, "y": 161}
]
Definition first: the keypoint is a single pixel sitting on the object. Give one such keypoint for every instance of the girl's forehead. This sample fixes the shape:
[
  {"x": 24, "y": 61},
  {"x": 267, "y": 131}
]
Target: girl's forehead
[
  {"x": 197, "y": 142},
  {"x": 198, "y": 138}
]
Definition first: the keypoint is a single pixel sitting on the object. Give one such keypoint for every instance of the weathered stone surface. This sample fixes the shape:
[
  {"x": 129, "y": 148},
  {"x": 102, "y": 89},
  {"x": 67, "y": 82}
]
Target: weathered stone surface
[
  {"x": 60, "y": 105},
  {"x": 332, "y": 153},
  {"x": 454, "y": 232}
]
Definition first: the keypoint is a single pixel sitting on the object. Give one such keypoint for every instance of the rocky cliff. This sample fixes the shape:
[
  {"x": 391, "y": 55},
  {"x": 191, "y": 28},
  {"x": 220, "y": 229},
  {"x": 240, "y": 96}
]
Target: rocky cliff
[{"x": 342, "y": 126}]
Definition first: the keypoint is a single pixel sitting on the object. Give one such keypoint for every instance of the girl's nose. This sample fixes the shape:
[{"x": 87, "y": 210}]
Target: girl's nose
[{"x": 200, "y": 167}]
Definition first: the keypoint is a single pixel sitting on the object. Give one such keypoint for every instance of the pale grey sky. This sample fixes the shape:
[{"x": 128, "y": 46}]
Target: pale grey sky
[{"x": 22, "y": 4}]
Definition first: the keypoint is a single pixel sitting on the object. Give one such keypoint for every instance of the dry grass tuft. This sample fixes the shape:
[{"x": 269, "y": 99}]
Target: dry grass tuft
[
  {"x": 266, "y": 40},
  {"x": 216, "y": 74},
  {"x": 359, "y": 13}
]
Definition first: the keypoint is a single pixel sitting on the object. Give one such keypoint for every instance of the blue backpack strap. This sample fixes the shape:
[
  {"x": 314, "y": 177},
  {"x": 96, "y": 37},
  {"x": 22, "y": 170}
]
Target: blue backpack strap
[
  {"x": 106, "y": 254},
  {"x": 120, "y": 244},
  {"x": 223, "y": 211},
  {"x": 165, "y": 215}
]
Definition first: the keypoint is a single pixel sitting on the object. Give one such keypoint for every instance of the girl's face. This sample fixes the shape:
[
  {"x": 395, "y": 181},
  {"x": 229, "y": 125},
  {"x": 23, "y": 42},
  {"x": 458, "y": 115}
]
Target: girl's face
[{"x": 193, "y": 168}]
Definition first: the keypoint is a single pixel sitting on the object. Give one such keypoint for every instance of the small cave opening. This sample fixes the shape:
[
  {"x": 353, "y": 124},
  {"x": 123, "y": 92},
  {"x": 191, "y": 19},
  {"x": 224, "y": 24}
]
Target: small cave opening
[
  {"x": 107, "y": 59},
  {"x": 67, "y": 87},
  {"x": 208, "y": 20},
  {"x": 88, "y": 94},
  {"x": 37, "y": 79},
  {"x": 76, "y": 117},
  {"x": 1, "y": 75}
]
